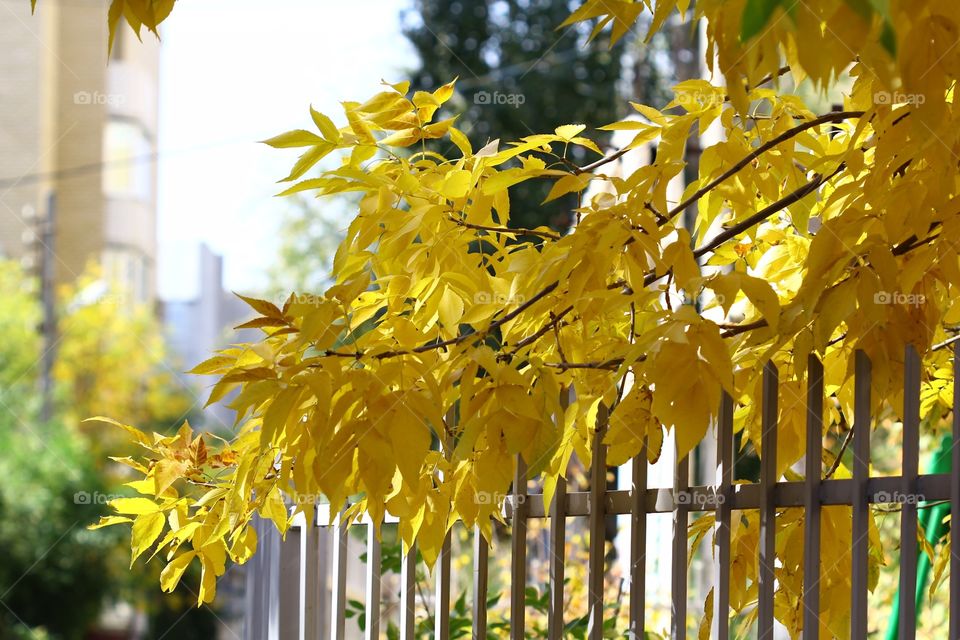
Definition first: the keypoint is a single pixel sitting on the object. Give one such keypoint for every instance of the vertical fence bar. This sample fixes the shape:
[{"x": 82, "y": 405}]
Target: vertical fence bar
[
  {"x": 724, "y": 495},
  {"x": 811, "y": 500},
  {"x": 481, "y": 559},
  {"x": 768, "y": 507},
  {"x": 518, "y": 553},
  {"x": 372, "y": 631},
  {"x": 408, "y": 593},
  {"x": 859, "y": 500},
  {"x": 908, "y": 512},
  {"x": 310, "y": 581},
  {"x": 598, "y": 512},
  {"x": 955, "y": 504},
  {"x": 339, "y": 595},
  {"x": 638, "y": 544},
  {"x": 289, "y": 596},
  {"x": 325, "y": 553},
  {"x": 442, "y": 598},
  {"x": 558, "y": 536},
  {"x": 678, "y": 568}
]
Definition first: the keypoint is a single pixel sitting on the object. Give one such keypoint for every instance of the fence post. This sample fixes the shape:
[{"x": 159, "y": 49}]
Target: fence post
[
  {"x": 372, "y": 631},
  {"x": 811, "y": 500},
  {"x": 955, "y": 504},
  {"x": 598, "y": 512},
  {"x": 908, "y": 512},
  {"x": 768, "y": 507},
  {"x": 724, "y": 498},
  {"x": 408, "y": 593},
  {"x": 678, "y": 571},
  {"x": 558, "y": 534},
  {"x": 481, "y": 556},
  {"x": 638, "y": 543},
  {"x": 518, "y": 552},
  {"x": 859, "y": 499}
]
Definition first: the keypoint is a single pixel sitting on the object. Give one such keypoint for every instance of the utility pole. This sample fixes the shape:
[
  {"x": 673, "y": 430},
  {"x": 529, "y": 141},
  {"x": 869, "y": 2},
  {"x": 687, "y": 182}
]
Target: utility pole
[{"x": 48, "y": 326}]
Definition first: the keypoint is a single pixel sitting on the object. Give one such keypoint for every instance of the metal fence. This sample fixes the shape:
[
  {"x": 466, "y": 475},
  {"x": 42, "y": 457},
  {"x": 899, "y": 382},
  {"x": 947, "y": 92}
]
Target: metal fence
[{"x": 294, "y": 585}]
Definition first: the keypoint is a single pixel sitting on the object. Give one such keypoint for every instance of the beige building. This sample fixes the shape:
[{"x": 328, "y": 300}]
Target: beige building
[{"x": 83, "y": 128}]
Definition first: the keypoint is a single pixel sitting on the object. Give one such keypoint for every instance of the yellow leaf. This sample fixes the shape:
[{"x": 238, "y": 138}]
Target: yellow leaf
[
  {"x": 456, "y": 184},
  {"x": 106, "y": 521},
  {"x": 133, "y": 506},
  {"x": 296, "y": 138},
  {"x": 569, "y": 131},
  {"x": 146, "y": 530},
  {"x": 274, "y": 509},
  {"x": 451, "y": 309},
  {"x": 171, "y": 574}
]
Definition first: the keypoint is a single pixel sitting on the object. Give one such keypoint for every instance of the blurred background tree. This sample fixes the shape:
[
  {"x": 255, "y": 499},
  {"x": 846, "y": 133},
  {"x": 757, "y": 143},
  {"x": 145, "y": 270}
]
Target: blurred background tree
[
  {"x": 56, "y": 578},
  {"x": 308, "y": 238},
  {"x": 518, "y": 74}
]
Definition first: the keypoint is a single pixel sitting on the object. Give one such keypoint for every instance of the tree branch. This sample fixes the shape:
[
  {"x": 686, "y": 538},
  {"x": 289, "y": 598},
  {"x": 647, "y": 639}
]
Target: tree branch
[{"x": 835, "y": 116}]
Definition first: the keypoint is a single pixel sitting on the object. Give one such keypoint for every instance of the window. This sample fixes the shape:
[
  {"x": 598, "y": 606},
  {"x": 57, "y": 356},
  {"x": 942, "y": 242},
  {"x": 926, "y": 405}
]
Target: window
[{"x": 128, "y": 167}]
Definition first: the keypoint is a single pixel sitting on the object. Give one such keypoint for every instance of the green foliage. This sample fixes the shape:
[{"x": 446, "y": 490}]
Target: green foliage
[{"x": 54, "y": 572}]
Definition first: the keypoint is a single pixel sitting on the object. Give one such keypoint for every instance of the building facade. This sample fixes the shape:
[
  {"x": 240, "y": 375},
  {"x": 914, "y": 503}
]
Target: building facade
[{"x": 78, "y": 124}]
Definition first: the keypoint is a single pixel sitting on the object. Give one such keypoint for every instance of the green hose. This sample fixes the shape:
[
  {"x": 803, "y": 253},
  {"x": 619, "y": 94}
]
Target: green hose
[{"x": 932, "y": 519}]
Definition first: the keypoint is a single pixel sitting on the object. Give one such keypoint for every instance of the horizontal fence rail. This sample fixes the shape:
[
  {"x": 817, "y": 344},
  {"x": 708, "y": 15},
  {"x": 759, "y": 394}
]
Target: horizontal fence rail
[{"x": 299, "y": 593}]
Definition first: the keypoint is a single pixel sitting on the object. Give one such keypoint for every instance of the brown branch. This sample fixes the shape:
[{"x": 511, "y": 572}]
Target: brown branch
[
  {"x": 555, "y": 319},
  {"x": 506, "y": 230},
  {"x": 835, "y": 116}
]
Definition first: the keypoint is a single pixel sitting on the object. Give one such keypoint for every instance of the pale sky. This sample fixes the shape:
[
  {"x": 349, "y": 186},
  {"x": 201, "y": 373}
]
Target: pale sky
[{"x": 237, "y": 71}]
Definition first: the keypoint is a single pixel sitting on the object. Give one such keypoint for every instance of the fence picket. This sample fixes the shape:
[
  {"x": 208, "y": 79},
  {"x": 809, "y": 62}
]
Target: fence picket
[
  {"x": 768, "y": 507},
  {"x": 558, "y": 534},
  {"x": 859, "y": 499},
  {"x": 678, "y": 569},
  {"x": 288, "y": 626},
  {"x": 638, "y": 543},
  {"x": 481, "y": 559},
  {"x": 814, "y": 471},
  {"x": 598, "y": 511},
  {"x": 309, "y": 575},
  {"x": 372, "y": 630},
  {"x": 442, "y": 594},
  {"x": 408, "y": 593},
  {"x": 724, "y": 480},
  {"x": 955, "y": 505},
  {"x": 908, "y": 512},
  {"x": 338, "y": 607},
  {"x": 518, "y": 553}
]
